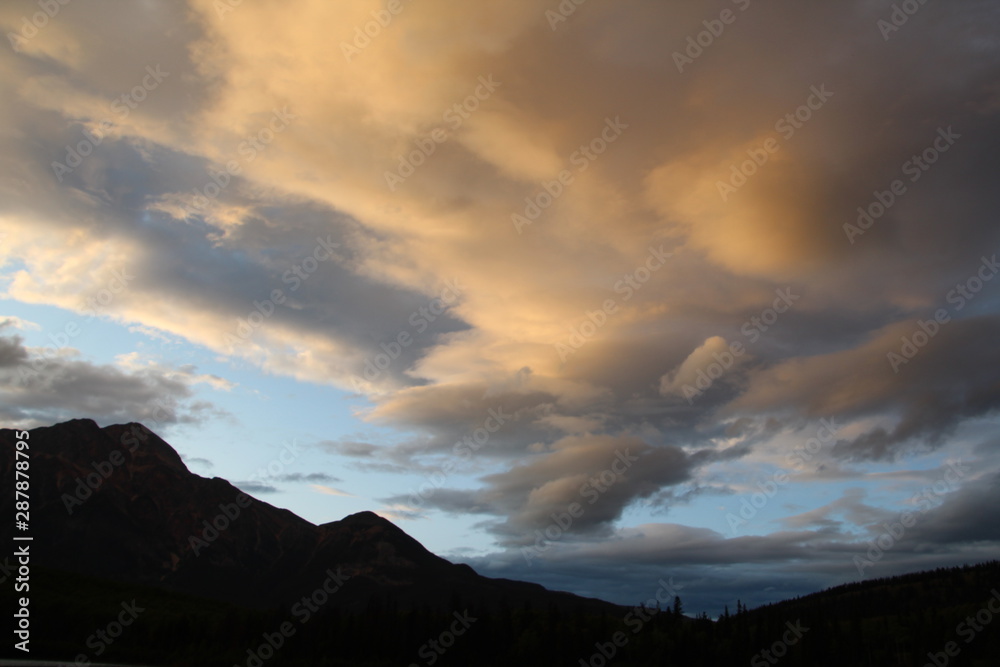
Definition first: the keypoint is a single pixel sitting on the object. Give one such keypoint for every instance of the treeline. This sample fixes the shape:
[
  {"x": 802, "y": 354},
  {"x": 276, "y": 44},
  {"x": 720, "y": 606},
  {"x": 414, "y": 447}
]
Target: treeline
[{"x": 883, "y": 622}]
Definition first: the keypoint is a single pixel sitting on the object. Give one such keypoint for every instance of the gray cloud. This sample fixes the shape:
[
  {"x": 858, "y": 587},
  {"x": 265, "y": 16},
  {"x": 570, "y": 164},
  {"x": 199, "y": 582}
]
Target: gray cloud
[
  {"x": 351, "y": 448},
  {"x": 42, "y": 387},
  {"x": 714, "y": 571},
  {"x": 198, "y": 461},
  {"x": 311, "y": 477},
  {"x": 256, "y": 487}
]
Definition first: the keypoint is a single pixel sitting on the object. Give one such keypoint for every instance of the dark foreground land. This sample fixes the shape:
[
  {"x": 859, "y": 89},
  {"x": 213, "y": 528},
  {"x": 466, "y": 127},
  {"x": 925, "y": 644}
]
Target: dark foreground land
[
  {"x": 900, "y": 621},
  {"x": 126, "y": 568}
]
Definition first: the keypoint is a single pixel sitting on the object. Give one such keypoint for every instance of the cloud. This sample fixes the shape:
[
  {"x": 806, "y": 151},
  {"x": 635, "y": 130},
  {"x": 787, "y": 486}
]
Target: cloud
[
  {"x": 198, "y": 461},
  {"x": 350, "y": 448},
  {"x": 42, "y": 386},
  {"x": 12, "y": 322},
  {"x": 256, "y": 487},
  {"x": 330, "y": 491},
  {"x": 710, "y": 570},
  {"x": 945, "y": 383},
  {"x": 270, "y": 483},
  {"x": 305, "y": 477},
  {"x": 592, "y": 477},
  {"x": 399, "y": 512},
  {"x": 850, "y": 505},
  {"x": 133, "y": 361},
  {"x": 692, "y": 376}
]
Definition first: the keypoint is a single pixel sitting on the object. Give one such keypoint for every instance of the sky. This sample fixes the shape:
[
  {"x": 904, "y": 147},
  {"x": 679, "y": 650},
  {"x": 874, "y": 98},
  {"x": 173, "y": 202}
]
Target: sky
[{"x": 594, "y": 294}]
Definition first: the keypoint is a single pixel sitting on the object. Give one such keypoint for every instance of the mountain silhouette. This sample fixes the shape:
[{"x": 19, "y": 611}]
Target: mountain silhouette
[
  {"x": 123, "y": 530},
  {"x": 119, "y": 503}
]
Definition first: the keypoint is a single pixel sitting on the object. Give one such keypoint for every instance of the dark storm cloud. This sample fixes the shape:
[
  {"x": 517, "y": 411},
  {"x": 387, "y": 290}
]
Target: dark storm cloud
[
  {"x": 12, "y": 352},
  {"x": 959, "y": 518},
  {"x": 587, "y": 480},
  {"x": 711, "y": 571}
]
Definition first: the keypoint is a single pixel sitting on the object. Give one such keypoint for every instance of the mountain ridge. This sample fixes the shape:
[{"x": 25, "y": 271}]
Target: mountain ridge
[
  {"x": 381, "y": 597},
  {"x": 118, "y": 502}
]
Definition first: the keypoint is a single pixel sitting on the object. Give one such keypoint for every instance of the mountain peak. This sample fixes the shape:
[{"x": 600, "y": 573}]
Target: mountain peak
[
  {"x": 138, "y": 438},
  {"x": 136, "y": 514},
  {"x": 366, "y": 517}
]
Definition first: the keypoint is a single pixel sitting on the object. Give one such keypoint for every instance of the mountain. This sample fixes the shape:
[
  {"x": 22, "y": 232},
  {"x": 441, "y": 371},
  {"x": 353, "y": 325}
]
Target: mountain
[
  {"x": 127, "y": 568},
  {"x": 119, "y": 503}
]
